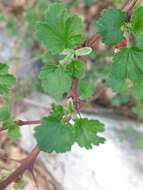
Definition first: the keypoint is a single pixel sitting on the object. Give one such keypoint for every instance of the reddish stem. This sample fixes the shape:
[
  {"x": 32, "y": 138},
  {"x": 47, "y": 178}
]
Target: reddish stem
[
  {"x": 73, "y": 91},
  {"x": 2, "y": 129},
  {"x": 90, "y": 42},
  {"x": 21, "y": 122},
  {"x": 74, "y": 94},
  {"x": 27, "y": 164},
  {"x": 129, "y": 5}
]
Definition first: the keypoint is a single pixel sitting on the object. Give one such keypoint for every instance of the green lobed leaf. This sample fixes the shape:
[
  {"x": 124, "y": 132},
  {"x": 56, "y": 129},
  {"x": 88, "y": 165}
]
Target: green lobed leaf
[
  {"x": 84, "y": 90},
  {"x": 55, "y": 80},
  {"x": 137, "y": 20},
  {"x": 57, "y": 111},
  {"x": 56, "y": 134},
  {"x": 109, "y": 25},
  {"x": 126, "y": 67},
  {"x": 76, "y": 68},
  {"x": 13, "y": 129},
  {"x": 139, "y": 41},
  {"x": 3, "y": 68},
  {"x": 118, "y": 85},
  {"x": 58, "y": 30},
  {"x": 137, "y": 90},
  {"x": 5, "y": 118},
  {"x": 53, "y": 135},
  {"x": 86, "y": 132},
  {"x": 13, "y": 132},
  {"x": 4, "y": 113},
  {"x": 7, "y": 81}
]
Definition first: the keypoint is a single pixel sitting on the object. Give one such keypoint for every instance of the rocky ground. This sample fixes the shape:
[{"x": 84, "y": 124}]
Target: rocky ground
[{"x": 115, "y": 165}]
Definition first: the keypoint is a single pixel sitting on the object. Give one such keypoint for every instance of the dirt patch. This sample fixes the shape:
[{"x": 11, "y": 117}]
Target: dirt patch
[{"x": 10, "y": 154}]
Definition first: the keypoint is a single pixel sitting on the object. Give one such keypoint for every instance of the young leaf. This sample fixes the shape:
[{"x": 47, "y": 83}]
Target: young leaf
[
  {"x": 109, "y": 25},
  {"x": 58, "y": 30},
  {"x": 55, "y": 80},
  {"x": 69, "y": 56},
  {"x": 83, "y": 51},
  {"x": 126, "y": 65},
  {"x": 86, "y": 132},
  {"x": 137, "y": 20},
  {"x": 53, "y": 135},
  {"x": 57, "y": 111}
]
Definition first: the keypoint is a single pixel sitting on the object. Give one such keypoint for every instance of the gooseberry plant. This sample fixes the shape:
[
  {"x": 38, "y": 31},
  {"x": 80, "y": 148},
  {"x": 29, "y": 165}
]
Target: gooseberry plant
[{"x": 63, "y": 35}]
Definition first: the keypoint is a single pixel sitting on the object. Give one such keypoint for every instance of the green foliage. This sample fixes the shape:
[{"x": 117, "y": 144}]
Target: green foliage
[
  {"x": 109, "y": 25},
  {"x": 119, "y": 100},
  {"x": 85, "y": 90},
  {"x": 139, "y": 41},
  {"x": 7, "y": 123},
  {"x": 20, "y": 184},
  {"x": 59, "y": 31},
  {"x": 4, "y": 113},
  {"x": 126, "y": 67},
  {"x": 83, "y": 51},
  {"x": 7, "y": 81},
  {"x": 12, "y": 26},
  {"x": 76, "y": 69},
  {"x": 56, "y": 134},
  {"x": 138, "y": 109},
  {"x": 63, "y": 36},
  {"x": 55, "y": 80},
  {"x": 70, "y": 54},
  {"x": 57, "y": 112},
  {"x": 13, "y": 129},
  {"x": 138, "y": 141},
  {"x": 137, "y": 90},
  {"x": 1, "y": 18},
  {"x": 86, "y": 132},
  {"x": 137, "y": 21}
]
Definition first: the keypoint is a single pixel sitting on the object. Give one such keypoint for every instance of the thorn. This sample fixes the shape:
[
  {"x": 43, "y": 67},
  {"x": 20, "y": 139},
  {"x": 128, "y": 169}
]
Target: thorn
[{"x": 31, "y": 170}]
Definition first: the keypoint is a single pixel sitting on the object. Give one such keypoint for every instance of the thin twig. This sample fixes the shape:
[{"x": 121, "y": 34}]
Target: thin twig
[
  {"x": 125, "y": 3},
  {"x": 27, "y": 164},
  {"x": 90, "y": 42},
  {"x": 2, "y": 129},
  {"x": 21, "y": 122},
  {"x": 129, "y": 6}
]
